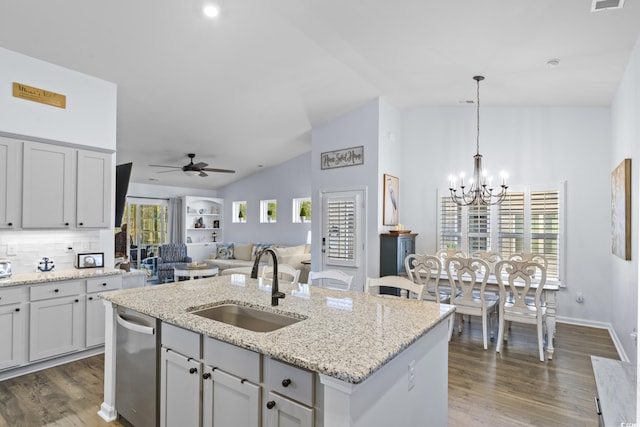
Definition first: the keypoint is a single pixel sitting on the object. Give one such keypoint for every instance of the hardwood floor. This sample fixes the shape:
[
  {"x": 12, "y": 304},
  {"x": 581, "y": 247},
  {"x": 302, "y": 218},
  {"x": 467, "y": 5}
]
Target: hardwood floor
[{"x": 485, "y": 388}]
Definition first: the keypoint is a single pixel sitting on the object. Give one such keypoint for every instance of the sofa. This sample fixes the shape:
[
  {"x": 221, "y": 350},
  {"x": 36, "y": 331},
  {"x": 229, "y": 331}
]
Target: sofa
[{"x": 240, "y": 257}]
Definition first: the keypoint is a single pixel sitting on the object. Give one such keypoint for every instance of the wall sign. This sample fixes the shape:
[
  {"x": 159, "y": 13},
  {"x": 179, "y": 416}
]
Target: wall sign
[
  {"x": 341, "y": 158},
  {"x": 42, "y": 96}
]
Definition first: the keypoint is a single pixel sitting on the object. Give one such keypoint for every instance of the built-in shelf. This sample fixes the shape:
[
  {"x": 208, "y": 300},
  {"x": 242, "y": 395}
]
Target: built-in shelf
[{"x": 199, "y": 240}]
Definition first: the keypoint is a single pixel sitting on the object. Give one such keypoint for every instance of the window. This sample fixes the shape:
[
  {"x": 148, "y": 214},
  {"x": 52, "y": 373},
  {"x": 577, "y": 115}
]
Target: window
[
  {"x": 302, "y": 210},
  {"x": 239, "y": 211},
  {"x": 529, "y": 220},
  {"x": 268, "y": 211}
]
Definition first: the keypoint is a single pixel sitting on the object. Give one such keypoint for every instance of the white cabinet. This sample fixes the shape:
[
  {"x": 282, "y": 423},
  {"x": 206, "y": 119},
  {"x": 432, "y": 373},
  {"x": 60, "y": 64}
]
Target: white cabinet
[
  {"x": 179, "y": 390},
  {"x": 203, "y": 225},
  {"x": 48, "y": 191},
  {"x": 282, "y": 412},
  {"x": 56, "y": 319},
  {"x": 12, "y": 324},
  {"x": 94, "y": 326},
  {"x": 229, "y": 400},
  {"x": 64, "y": 187},
  {"x": 9, "y": 184},
  {"x": 93, "y": 207}
]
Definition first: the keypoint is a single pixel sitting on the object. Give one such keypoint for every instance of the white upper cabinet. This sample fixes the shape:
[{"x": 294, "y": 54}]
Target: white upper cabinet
[
  {"x": 48, "y": 186},
  {"x": 94, "y": 190},
  {"x": 9, "y": 184}
]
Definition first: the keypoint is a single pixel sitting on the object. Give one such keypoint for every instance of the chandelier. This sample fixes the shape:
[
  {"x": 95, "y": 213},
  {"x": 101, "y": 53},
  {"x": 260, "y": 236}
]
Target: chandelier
[{"x": 480, "y": 189}]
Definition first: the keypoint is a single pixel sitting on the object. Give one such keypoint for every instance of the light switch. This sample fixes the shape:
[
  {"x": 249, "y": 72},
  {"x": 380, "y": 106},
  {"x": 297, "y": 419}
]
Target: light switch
[{"x": 12, "y": 250}]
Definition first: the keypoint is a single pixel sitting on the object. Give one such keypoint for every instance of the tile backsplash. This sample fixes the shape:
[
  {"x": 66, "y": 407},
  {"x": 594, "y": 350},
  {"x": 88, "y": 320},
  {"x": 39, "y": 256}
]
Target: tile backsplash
[{"x": 26, "y": 248}]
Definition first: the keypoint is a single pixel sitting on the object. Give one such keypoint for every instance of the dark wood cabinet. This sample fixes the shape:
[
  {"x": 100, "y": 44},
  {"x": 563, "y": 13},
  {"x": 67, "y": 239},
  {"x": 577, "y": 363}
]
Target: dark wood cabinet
[{"x": 394, "y": 248}]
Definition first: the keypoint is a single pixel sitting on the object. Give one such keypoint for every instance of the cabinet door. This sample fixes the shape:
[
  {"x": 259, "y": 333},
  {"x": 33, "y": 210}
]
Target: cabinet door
[
  {"x": 47, "y": 181},
  {"x": 282, "y": 412},
  {"x": 179, "y": 390},
  {"x": 94, "y": 332},
  {"x": 55, "y": 327},
  {"x": 11, "y": 335},
  {"x": 93, "y": 207},
  {"x": 229, "y": 400},
  {"x": 406, "y": 246},
  {"x": 9, "y": 201}
]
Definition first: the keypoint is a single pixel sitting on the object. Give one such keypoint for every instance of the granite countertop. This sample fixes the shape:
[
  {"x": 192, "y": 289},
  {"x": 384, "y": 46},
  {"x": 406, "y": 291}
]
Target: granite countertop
[
  {"x": 53, "y": 276},
  {"x": 616, "y": 384},
  {"x": 346, "y": 335}
]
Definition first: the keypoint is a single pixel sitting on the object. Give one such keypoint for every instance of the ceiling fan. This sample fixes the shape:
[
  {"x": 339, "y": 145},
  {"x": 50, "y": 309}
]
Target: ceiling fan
[{"x": 194, "y": 169}]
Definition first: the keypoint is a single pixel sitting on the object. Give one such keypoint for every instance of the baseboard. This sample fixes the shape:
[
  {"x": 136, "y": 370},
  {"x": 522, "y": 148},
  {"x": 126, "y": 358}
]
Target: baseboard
[
  {"x": 45, "y": 364},
  {"x": 600, "y": 325}
]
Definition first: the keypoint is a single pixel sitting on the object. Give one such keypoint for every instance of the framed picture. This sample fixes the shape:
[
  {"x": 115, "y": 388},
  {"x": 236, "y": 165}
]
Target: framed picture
[
  {"x": 391, "y": 200},
  {"x": 189, "y": 239},
  {"x": 340, "y": 158},
  {"x": 621, "y": 210},
  {"x": 216, "y": 223},
  {"x": 90, "y": 260}
]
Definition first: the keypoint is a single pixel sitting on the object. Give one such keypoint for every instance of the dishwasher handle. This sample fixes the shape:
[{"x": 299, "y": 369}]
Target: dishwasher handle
[{"x": 136, "y": 327}]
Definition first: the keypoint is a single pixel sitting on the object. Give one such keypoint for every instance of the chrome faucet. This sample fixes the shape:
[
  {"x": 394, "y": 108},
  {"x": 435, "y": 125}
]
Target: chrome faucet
[{"x": 275, "y": 294}]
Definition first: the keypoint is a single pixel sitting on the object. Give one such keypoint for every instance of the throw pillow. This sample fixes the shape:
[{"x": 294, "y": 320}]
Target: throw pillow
[
  {"x": 225, "y": 251},
  {"x": 258, "y": 247},
  {"x": 243, "y": 251}
]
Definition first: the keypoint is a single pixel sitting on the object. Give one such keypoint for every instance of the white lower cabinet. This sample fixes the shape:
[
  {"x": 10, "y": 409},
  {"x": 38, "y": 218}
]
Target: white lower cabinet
[
  {"x": 179, "y": 390},
  {"x": 12, "y": 322},
  {"x": 282, "y": 412},
  {"x": 229, "y": 400},
  {"x": 55, "y": 327},
  {"x": 94, "y": 332}
]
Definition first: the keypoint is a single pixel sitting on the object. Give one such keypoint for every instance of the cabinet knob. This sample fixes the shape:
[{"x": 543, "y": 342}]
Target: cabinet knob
[
  {"x": 90, "y": 298},
  {"x": 193, "y": 370},
  {"x": 206, "y": 375},
  {"x": 77, "y": 300},
  {"x": 286, "y": 382},
  {"x": 18, "y": 309},
  {"x": 80, "y": 224},
  {"x": 104, "y": 284},
  {"x": 66, "y": 223},
  {"x": 10, "y": 224},
  {"x": 56, "y": 290},
  {"x": 271, "y": 404}
]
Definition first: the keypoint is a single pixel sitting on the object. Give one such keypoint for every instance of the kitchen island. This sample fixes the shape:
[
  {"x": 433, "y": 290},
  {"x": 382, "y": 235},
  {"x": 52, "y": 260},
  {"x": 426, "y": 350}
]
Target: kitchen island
[{"x": 372, "y": 360}]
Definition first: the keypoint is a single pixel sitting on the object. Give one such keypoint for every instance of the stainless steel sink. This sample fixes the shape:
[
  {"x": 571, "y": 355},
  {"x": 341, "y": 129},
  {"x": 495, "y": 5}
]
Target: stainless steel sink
[{"x": 247, "y": 317}]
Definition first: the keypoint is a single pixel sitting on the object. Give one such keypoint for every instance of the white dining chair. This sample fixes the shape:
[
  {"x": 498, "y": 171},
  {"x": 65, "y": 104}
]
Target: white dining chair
[
  {"x": 468, "y": 279},
  {"x": 515, "y": 282},
  {"x": 531, "y": 257},
  {"x": 331, "y": 279},
  {"x": 285, "y": 272},
  {"x": 426, "y": 270},
  {"x": 406, "y": 286}
]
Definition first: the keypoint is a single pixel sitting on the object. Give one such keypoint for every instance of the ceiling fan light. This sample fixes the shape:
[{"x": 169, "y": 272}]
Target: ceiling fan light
[{"x": 192, "y": 173}]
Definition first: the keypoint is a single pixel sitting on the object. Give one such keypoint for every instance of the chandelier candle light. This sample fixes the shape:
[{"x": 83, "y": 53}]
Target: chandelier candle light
[{"x": 480, "y": 190}]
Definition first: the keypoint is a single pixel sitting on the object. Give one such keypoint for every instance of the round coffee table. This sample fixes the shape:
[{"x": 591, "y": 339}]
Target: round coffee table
[{"x": 184, "y": 270}]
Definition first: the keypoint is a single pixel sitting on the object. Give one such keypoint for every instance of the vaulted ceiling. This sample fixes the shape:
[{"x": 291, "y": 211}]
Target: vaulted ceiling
[{"x": 243, "y": 91}]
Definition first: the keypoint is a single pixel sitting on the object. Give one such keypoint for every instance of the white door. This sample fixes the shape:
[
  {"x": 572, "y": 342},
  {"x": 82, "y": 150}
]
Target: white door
[{"x": 342, "y": 240}]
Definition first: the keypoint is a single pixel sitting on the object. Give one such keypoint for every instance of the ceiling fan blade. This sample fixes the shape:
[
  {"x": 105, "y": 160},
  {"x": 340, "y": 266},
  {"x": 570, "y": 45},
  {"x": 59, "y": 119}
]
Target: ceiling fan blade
[
  {"x": 164, "y": 166},
  {"x": 200, "y": 165},
  {"x": 219, "y": 170},
  {"x": 202, "y": 174},
  {"x": 168, "y": 171}
]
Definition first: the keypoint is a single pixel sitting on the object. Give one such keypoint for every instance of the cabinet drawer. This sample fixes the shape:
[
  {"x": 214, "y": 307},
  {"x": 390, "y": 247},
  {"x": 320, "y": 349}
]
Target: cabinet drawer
[
  {"x": 104, "y": 283},
  {"x": 13, "y": 295},
  {"x": 56, "y": 289},
  {"x": 289, "y": 381},
  {"x": 180, "y": 340},
  {"x": 237, "y": 361}
]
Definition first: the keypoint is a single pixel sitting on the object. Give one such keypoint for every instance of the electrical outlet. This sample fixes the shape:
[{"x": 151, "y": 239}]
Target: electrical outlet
[
  {"x": 579, "y": 297},
  {"x": 412, "y": 374},
  {"x": 12, "y": 250}
]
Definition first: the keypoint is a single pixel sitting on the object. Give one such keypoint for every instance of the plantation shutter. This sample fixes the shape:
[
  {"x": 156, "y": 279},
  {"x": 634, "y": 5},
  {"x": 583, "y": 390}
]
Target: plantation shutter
[
  {"x": 341, "y": 222},
  {"x": 479, "y": 228},
  {"x": 545, "y": 229},
  {"x": 511, "y": 225},
  {"x": 450, "y": 224}
]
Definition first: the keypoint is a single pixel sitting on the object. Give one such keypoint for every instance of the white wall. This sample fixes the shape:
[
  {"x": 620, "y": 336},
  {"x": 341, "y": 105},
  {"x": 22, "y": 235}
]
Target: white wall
[
  {"x": 536, "y": 145},
  {"x": 89, "y": 118},
  {"x": 137, "y": 189},
  {"x": 285, "y": 182},
  {"x": 359, "y": 127},
  {"x": 625, "y": 111}
]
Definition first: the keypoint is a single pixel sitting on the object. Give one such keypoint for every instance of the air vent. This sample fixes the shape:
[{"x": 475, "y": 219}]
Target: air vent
[{"x": 598, "y": 5}]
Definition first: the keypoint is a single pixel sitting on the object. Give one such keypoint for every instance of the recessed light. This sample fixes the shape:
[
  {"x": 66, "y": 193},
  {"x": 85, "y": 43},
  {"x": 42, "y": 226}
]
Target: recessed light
[
  {"x": 211, "y": 11},
  {"x": 553, "y": 63},
  {"x": 153, "y": 179}
]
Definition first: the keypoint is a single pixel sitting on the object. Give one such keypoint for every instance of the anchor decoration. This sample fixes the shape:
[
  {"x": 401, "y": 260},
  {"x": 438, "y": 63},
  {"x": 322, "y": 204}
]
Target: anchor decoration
[{"x": 46, "y": 265}]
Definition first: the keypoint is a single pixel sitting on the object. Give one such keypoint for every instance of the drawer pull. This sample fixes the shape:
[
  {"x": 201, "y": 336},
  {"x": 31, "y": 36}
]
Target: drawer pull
[
  {"x": 598, "y": 409},
  {"x": 193, "y": 370},
  {"x": 104, "y": 284},
  {"x": 271, "y": 404},
  {"x": 206, "y": 375},
  {"x": 286, "y": 382},
  {"x": 77, "y": 300},
  {"x": 18, "y": 309},
  {"x": 56, "y": 290}
]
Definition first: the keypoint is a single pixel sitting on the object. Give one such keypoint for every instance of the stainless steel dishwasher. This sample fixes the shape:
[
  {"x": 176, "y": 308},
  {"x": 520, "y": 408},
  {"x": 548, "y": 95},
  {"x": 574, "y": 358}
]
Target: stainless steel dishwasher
[{"x": 137, "y": 367}]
